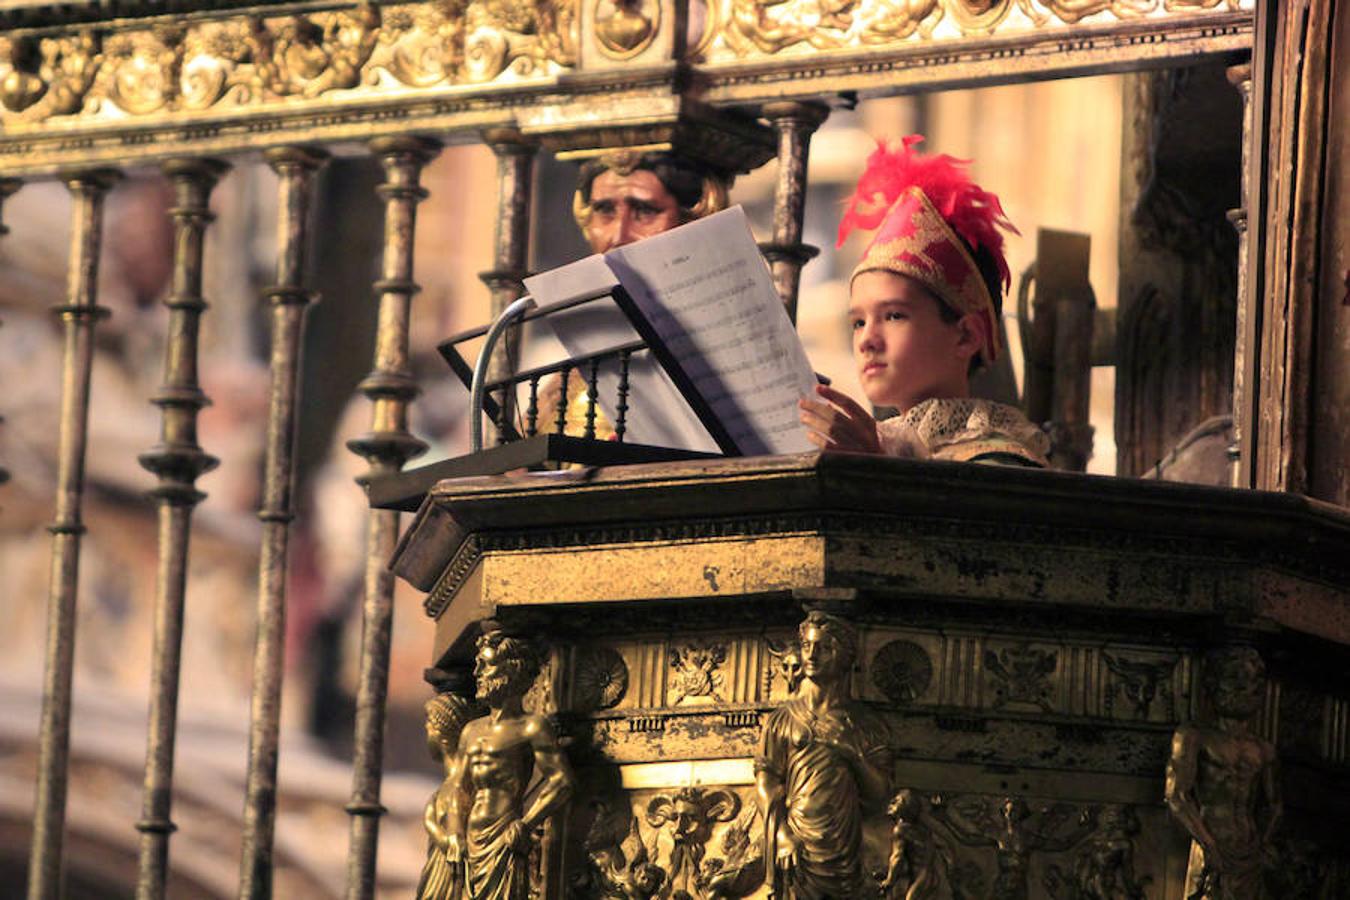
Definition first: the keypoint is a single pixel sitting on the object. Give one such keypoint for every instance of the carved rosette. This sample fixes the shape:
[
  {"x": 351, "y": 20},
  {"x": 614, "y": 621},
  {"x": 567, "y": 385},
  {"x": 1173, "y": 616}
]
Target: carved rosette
[
  {"x": 902, "y": 671},
  {"x": 600, "y": 678}
]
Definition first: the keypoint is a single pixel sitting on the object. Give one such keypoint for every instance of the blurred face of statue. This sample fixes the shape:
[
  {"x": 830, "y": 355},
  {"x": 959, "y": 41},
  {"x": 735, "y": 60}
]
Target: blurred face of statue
[
  {"x": 821, "y": 659},
  {"x": 906, "y": 353},
  {"x": 1239, "y": 687},
  {"x": 493, "y": 672},
  {"x": 628, "y": 208}
]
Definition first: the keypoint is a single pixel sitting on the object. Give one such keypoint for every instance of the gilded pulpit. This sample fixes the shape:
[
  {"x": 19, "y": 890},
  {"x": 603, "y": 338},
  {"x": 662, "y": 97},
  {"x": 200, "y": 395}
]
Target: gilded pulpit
[{"x": 831, "y": 675}]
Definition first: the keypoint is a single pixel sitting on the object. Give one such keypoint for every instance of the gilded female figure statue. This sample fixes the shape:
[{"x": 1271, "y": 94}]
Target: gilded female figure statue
[
  {"x": 823, "y": 762},
  {"x": 443, "y": 877}
]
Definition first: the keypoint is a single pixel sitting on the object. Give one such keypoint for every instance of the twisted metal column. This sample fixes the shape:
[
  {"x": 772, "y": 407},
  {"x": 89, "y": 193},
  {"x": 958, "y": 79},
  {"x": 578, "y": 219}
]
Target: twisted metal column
[
  {"x": 515, "y": 171},
  {"x": 386, "y": 447},
  {"x": 80, "y": 313},
  {"x": 8, "y": 186},
  {"x": 177, "y": 460},
  {"x": 795, "y": 123},
  {"x": 296, "y": 167}
]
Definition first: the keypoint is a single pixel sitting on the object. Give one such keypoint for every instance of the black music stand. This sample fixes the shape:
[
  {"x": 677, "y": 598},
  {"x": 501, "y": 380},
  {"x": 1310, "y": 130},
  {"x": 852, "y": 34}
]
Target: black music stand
[{"x": 553, "y": 449}]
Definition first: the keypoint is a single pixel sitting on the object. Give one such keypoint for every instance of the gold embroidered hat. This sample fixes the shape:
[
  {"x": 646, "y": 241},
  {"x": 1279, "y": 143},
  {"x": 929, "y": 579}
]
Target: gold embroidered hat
[{"x": 931, "y": 222}]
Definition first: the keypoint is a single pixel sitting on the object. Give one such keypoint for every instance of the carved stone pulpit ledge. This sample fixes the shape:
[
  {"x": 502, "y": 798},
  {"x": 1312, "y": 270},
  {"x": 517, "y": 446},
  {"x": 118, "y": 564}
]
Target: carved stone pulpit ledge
[{"x": 1026, "y": 644}]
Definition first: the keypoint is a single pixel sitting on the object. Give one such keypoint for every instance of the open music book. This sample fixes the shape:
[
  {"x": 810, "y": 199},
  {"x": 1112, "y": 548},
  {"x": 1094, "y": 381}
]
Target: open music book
[{"x": 726, "y": 367}]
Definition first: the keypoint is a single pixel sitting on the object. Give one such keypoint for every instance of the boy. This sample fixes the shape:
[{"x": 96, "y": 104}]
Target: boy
[{"x": 923, "y": 305}]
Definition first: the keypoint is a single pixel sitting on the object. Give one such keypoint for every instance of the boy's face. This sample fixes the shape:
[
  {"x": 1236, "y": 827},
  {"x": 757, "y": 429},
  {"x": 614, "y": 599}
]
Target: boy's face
[{"x": 905, "y": 352}]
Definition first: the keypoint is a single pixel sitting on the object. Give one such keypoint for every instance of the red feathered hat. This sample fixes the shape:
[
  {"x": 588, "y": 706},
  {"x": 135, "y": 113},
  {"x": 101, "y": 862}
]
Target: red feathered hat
[{"x": 929, "y": 218}]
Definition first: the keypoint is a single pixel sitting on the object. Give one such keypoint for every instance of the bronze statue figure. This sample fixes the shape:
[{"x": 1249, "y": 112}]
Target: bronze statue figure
[
  {"x": 1223, "y": 785},
  {"x": 823, "y": 761},
  {"x": 490, "y": 826},
  {"x": 919, "y": 866},
  {"x": 443, "y": 877}
]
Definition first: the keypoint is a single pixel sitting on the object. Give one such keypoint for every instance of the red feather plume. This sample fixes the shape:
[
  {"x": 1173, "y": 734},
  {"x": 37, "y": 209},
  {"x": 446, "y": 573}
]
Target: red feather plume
[{"x": 973, "y": 213}]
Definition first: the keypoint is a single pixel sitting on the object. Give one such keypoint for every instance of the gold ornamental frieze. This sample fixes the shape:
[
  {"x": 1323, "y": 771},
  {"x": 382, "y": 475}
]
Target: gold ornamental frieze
[
  {"x": 750, "y": 28},
  {"x": 238, "y": 63}
]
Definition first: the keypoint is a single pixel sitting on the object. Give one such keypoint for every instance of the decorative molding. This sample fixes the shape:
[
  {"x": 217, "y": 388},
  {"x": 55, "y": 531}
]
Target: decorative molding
[
  {"x": 224, "y": 65},
  {"x": 104, "y": 84},
  {"x": 760, "y": 28}
]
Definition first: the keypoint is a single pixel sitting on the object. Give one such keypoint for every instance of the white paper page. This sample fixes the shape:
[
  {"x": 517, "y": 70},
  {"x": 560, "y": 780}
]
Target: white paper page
[
  {"x": 657, "y": 413},
  {"x": 708, "y": 292}
]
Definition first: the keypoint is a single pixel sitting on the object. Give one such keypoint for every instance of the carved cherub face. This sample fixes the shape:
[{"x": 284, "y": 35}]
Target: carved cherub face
[{"x": 648, "y": 879}]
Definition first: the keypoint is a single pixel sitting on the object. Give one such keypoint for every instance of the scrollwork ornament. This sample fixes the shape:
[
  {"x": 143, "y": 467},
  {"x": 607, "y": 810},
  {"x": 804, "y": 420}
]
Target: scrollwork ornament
[
  {"x": 902, "y": 671},
  {"x": 144, "y": 69},
  {"x": 517, "y": 36},
  {"x": 51, "y": 76},
  {"x": 21, "y": 86},
  {"x": 979, "y": 16},
  {"x": 425, "y": 42},
  {"x": 601, "y": 678},
  {"x": 1070, "y": 12}
]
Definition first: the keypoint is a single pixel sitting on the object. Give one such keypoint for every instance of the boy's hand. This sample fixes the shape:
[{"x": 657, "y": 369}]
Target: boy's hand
[{"x": 837, "y": 422}]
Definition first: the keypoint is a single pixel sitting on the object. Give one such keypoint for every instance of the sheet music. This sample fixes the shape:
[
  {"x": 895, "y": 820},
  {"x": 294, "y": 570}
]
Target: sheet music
[
  {"x": 708, "y": 292},
  {"x": 657, "y": 413}
]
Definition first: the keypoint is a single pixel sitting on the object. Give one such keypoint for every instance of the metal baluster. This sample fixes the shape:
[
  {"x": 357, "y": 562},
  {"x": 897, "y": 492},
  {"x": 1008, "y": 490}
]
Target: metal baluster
[
  {"x": 79, "y": 314},
  {"x": 504, "y": 407},
  {"x": 621, "y": 425},
  {"x": 591, "y": 394},
  {"x": 177, "y": 460},
  {"x": 1240, "y": 466},
  {"x": 562, "y": 402},
  {"x": 386, "y": 447},
  {"x": 8, "y": 186},
  {"x": 296, "y": 167},
  {"x": 532, "y": 412},
  {"x": 515, "y": 171},
  {"x": 795, "y": 123}
]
